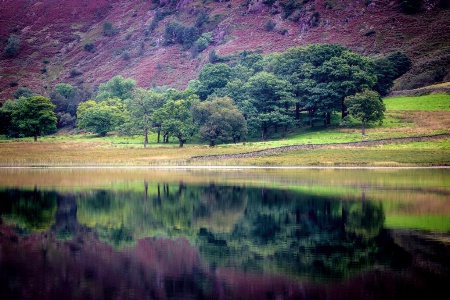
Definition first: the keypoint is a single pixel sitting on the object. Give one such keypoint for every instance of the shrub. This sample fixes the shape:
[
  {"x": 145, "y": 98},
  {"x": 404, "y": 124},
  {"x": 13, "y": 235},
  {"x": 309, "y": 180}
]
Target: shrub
[
  {"x": 89, "y": 47},
  {"x": 22, "y": 92},
  {"x": 108, "y": 29},
  {"x": 12, "y": 47},
  {"x": 199, "y": 45},
  {"x": 176, "y": 33},
  {"x": 270, "y": 25},
  {"x": 370, "y": 33},
  {"x": 202, "y": 18},
  {"x": 75, "y": 72},
  {"x": 314, "y": 20},
  {"x": 125, "y": 55}
]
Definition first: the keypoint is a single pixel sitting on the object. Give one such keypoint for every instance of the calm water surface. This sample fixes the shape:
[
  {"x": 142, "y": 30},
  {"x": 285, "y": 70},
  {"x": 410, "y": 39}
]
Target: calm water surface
[{"x": 224, "y": 234}]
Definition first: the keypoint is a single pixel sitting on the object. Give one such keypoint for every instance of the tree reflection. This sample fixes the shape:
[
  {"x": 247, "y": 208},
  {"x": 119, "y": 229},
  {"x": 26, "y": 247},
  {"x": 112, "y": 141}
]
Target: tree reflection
[
  {"x": 28, "y": 210},
  {"x": 252, "y": 229}
]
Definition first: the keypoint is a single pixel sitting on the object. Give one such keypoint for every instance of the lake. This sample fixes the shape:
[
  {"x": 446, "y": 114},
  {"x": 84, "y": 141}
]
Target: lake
[{"x": 225, "y": 233}]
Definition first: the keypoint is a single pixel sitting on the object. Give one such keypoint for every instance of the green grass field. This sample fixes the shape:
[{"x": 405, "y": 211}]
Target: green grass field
[{"x": 431, "y": 102}]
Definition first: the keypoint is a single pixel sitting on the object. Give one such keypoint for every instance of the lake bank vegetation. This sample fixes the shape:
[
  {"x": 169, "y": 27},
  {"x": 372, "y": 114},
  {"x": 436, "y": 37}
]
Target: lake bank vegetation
[{"x": 318, "y": 94}]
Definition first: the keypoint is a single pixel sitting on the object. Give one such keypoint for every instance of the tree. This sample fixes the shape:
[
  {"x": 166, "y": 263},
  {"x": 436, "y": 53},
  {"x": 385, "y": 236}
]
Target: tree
[
  {"x": 12, "y": 47},
  {"x": 34, "y": 117},
  {"x": 402, "y": 63},
  {"x": 101, "y": 117},
  {"x": 271, "y": 98},
  {"x": 141, "y": 107},
  {"x": 219, "y": 119},
  {"x": 386, "y": 73},
  {"x": 213, "y": 77},
  {"x": 116, "y": 87},
  {"x": 366, "y": 107},
  {"x": 175, "y": 118}
]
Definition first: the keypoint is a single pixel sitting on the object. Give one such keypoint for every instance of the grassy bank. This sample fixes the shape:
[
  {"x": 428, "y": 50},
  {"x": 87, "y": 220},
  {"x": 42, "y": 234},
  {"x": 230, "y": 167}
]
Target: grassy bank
[{"x": 405, "y": 116}]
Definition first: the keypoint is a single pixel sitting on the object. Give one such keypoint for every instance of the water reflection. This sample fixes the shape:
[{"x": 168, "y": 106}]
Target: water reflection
[{"x": 161, "y": 239}]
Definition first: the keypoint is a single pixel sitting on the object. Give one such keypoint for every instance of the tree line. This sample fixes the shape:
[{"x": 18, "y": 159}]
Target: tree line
[{"x": 255, "y": 95}]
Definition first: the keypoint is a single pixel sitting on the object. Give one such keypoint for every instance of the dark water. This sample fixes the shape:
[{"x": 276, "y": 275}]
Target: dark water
[{"x": 224, "y": 234}]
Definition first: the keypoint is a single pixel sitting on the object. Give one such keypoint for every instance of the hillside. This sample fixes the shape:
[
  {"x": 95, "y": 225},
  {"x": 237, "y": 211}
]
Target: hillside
[{"x": 53, "y": 36}]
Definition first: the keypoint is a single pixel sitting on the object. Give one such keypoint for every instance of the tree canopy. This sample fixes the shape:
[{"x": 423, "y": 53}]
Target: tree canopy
[
  {"x": 366, "y": 107},
  {"x": 34, "y": 117},
  {"x": 219, "y": 119}
]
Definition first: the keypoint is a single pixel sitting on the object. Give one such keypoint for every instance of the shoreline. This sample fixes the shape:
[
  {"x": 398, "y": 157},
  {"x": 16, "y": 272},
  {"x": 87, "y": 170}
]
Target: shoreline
[{"x": 225, "y": 167}]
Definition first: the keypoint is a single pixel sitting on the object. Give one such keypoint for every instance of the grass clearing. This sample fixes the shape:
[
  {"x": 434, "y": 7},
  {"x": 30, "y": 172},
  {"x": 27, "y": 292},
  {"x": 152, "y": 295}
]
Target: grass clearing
[{"x": 432, "y": 102}]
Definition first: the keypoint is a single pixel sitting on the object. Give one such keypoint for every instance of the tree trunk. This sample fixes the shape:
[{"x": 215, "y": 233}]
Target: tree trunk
[
  {"x": 212, "y": 143},
  {"x": 181, "y": 142},
  {"x": 145, "y": 131},
  {"x": 159, "y": 134},
  {"x": 363, "y": 128},
  {"x": 35, "y": 137},
  {"x": 297, "y": 111},
  {"x": 145, "y": 137},
  {"x": 344, "y": 110},
  {"x": 264, "y": 131}
]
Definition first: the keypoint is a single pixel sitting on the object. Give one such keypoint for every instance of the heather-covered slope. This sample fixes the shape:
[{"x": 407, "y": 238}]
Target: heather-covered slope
[{"x": 53, "y": 35}]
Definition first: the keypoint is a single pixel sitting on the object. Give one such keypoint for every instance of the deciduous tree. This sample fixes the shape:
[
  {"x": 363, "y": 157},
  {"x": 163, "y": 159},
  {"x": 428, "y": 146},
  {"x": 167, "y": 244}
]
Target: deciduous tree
[
  {"x": 219, "y": 119},
  {"x": 366, "y": 107},
  {"x": 34, "y": 117}
]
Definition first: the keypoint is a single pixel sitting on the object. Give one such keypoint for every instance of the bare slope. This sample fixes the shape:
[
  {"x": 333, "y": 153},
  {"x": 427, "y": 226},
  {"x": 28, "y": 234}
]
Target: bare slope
[{"x": 53, "y": 34}]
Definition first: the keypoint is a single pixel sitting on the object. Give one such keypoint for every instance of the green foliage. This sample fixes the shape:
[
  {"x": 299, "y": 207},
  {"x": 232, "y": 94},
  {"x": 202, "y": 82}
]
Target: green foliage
[
  {"x": 101, "y": 117},
  {"x": 386, "y": 73},
  {"x": 34, "y": 117},
  {"x": 177, "y": 33},
  {"x": 22, "y": 92},
  {"x": 175, "y": 117},
  {"x": 116, "y": 87},
  {"x": 212, "y": 77},
  {"x": 270, "y": 97},
  {"x": 289, "y": 7},
  {"x": 12, "y": 47},
  {"x": 140, "y": 108},
  {"x": 30, "y": 210},
  {"x": 366, "y": 107},
  {"x": 219, "y": 119},
  {"x": 402, "y": 63},
  {"x": 201, "y": 44}
]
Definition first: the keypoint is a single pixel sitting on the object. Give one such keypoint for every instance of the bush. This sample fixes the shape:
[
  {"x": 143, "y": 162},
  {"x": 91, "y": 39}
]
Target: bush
[
  {"x": 22, "y": 92},
  {"x": 89, "y": 47},
  {"x": 270, "y": 25},
  {"x": 176, "y": 33},
  {"x": 12, "y": 47},
  {"x": 199, "y": 45},
  {"x": 314, "y": 20},
  {"x": 75, "y": 72},
  {"x": 108, "y": 29},
  {"x": 125, "y": 55}
]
